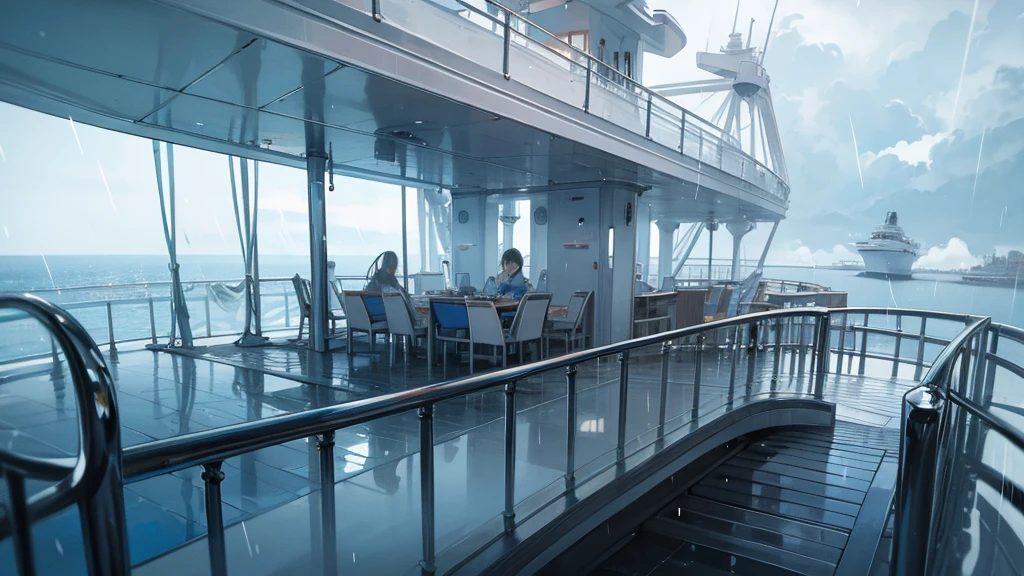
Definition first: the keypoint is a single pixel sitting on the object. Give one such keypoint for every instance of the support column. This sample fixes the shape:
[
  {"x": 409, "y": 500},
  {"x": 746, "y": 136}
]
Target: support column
[
  {"x": 421, "y": 211},
  {"x": 643, "y": 241},
  {"x": 767, "y": 245},
  {"x": 405, "y": 243},
  {"x": 738, "y": 229},
  {"x": 315, "y": 167},
  {"x": 711, "y": 226},
  {"x": 666, "y": 248},
  {"x": 432, "y": 259}
]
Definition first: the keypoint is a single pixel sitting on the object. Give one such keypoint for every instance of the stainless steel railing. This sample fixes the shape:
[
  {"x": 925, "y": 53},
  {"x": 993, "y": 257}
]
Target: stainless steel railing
[{"x": 92, "y": 479}]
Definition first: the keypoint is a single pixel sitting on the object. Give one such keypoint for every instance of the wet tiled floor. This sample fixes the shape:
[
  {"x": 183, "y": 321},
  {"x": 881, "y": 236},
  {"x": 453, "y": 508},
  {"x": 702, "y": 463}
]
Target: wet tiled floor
[{"x": 163, "y": 394}]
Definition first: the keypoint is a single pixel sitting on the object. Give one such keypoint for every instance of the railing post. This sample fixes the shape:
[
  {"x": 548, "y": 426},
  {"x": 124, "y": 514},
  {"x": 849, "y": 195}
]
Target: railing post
[
  {"x": 213, "y": 476},
  {"x": 735, "y": 351},
  {"x": 863, "y": 346},
  {"x": 753, "y": 337},
  {"x": 287, "y": 312},
  {"x": 682, "y": 133},
  {"x": 427, "y": 486},
  {"x": 981, "y": 363},
  {"x": 921, "y": 428},
  {"x": 206, "y": 305},
  {"x": 823, "y": 345},
  {"x": 665, "y": 348},
  {"x": 698, "y": 365},
  {"x": 896, "y": 350},
  {"x": 21, "y": 522},
  {"x": 152, "y": 321},
  {"x": 990, "y": 376},
  {"x": 508, "y": 43},
  {"x": 842, "y": 344},
  {"x": 377, "y": 16},
  {"x": 509, "y": 514},
  {"x": 623, "y": 389},
  {"x": 110, "y": 330},
  {"x": 570, "y": 418},
  {"x": 802, "y": 343},
  {"x": 777, "y": 360},
  {"x": 920, "y": 350},
  {"x": 650, "y": 103},
  {"x": 328, "y": 512},
  {"x": 586, "y": 96}
]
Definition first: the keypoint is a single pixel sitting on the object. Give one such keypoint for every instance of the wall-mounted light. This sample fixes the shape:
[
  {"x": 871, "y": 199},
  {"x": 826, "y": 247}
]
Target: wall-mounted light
[{"x": 580, "y": 223}]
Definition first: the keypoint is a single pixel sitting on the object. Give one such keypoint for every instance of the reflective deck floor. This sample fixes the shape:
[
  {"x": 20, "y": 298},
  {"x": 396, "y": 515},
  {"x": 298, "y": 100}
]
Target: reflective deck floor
[{"x": 268, "y": 495}]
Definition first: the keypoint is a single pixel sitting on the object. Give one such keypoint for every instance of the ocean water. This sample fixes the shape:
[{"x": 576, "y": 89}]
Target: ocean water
[{"x": 54, "y": 278}]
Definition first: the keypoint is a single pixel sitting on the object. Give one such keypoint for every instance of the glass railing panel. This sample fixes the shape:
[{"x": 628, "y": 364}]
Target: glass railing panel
[
  {"x": 979, "y": 528},
  {"x": 597, "y": 410},
  {"x": 469, "y": 463},
  {"x": 541, "y": 433}
]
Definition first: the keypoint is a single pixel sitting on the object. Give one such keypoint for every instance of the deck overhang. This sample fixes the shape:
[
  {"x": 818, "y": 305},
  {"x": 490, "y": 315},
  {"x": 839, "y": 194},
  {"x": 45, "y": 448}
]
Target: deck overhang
[{"x": 274, "y": 80}]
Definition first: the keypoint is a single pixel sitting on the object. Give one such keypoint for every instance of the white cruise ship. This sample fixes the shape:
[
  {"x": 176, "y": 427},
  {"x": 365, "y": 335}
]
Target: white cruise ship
[{"x": 889, "y": 252}]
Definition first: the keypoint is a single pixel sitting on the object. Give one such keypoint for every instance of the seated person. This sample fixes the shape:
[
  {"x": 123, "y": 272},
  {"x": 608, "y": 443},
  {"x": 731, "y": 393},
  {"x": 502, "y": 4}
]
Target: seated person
[
  {"x": 383, "y": 280},
  {"x": 516, "y": 285}
]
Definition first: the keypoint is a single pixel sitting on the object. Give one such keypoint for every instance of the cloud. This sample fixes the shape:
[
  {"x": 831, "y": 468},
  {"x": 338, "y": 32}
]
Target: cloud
[
  {"x": 917, "y": 152},
  {"x": 796, "y": 254},
  {"x": 955, "y": 255}
]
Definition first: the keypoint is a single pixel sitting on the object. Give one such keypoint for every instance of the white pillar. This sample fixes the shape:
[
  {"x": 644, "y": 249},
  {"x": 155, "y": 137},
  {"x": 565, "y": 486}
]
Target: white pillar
[
  {"x": 666, "y": 246},
  {"x": 538, "y": 237},
  {"x": 643, "y": 240},
  {"x": 421, "y": 208},
  {"x": 738, "y": 230}
]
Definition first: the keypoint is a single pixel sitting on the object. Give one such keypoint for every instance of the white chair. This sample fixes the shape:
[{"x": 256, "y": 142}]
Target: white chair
[
  {"x": 527, "y": 326},
  {"x": 571, "y": 328},
  {"x": 359, "y": 320},
  {"x": 402, "y": 322}
]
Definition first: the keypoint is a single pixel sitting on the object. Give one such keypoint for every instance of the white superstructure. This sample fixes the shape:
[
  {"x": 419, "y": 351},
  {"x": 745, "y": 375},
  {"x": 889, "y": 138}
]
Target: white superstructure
[{"x": 889, "y": 252}]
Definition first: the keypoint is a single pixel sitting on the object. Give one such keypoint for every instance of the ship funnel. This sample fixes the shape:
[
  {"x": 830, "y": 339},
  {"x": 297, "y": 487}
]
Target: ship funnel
[{"x": 891, "y": 219}]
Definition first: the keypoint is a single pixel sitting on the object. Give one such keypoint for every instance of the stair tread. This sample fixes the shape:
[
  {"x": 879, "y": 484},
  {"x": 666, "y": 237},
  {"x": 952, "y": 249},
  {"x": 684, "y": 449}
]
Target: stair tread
[
  {"x": 790, "y": 526},
  {"x": 757, "y": 551}
]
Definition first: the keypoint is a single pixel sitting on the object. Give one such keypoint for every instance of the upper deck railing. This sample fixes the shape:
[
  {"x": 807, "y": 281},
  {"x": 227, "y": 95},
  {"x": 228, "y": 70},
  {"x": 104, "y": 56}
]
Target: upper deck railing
[{"x": 522, "y": 50}]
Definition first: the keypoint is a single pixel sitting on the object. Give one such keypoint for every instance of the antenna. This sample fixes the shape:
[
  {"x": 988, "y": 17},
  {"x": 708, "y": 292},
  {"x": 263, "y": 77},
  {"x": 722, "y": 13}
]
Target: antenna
[
  {"x": 769, "y": 33},
  {"x": 737, "y": 17},
  {"x": 750, "y": 33}
]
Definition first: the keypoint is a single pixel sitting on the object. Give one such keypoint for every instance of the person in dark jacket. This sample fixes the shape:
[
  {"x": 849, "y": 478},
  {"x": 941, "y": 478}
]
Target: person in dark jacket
[
  {"x": 512, "y": 264},
  {"x": 383, "y": 280}
]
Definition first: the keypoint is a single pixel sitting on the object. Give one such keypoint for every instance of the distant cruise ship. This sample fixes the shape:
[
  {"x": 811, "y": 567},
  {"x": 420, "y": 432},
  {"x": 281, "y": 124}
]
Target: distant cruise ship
[{"x": 889, "y": 252}]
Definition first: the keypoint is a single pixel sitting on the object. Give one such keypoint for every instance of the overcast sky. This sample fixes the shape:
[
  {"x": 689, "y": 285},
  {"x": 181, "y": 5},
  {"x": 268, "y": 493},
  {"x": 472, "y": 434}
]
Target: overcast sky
[{"x": 885, "y": 72}]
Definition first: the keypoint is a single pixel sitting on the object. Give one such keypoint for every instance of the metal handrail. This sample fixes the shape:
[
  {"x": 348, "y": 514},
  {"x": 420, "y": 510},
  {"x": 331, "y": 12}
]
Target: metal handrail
[
  {"x": 594, "y": 66},
  {"x": 172, "y": 454},
  {"x": 93, "y": 478}
]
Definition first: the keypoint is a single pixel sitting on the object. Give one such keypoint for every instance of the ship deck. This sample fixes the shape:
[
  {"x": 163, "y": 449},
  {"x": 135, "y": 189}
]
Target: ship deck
[{"x": 163, "y": 395}]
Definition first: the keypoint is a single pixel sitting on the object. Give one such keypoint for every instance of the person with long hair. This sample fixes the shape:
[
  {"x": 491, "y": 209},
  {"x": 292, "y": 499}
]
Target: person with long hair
[
  {"x": 384, "y": 280},
  {"x": 515, "y": 285}
]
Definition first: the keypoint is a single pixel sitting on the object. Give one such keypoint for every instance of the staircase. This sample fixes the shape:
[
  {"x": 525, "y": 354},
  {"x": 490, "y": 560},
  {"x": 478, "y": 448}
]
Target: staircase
[{"x": 789, "y": 503}]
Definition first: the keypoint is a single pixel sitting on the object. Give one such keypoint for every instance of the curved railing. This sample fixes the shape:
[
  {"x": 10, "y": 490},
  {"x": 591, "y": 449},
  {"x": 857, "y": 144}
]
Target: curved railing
[
  {"x": 690, "y": 377},
  {"x": 959, "y": 497},
  {"x": 210, "y": 448},
  {"x": 92, "y": 479}
]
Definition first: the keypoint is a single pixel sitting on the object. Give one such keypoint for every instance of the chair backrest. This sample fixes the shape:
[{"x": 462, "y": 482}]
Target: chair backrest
[
  {"x": 302, "y": 293},
  {"x": 426, "y": 281},
  {"x": 531, "y": 315},
  {"x": 744, "y": 293},
  {"x": 461, "y": 279},
  {"x": 542, "y": 281},
  {"x": 334, "y": 296},
  {"x": 668, "y": 283},
  {"x": 577, "y": 306},
  {"x": 450, "y": 315},
  {"x": 490, "y": 286},
  {"x": 397, "y": 312},
  {"x": 484, "y": 323},
  {"x": 374, "y": 306},
  {"x": 355, "y": 311}
]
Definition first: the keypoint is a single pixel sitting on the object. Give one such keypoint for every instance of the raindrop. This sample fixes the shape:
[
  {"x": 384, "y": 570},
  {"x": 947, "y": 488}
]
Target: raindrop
[
  {"x": 963, "y": 67},
  {"x": 107, "y": 186},
  {"x": 60, "y": 549},
  {"x": 6, "y": 233},
  {"x": 2, "y": 156},
  {"x": 856, "y": 153},
  {"x": 977, "y": 169},
  {"x": 891, "y": 295},
  {"x": 48, "y": 273},
  {"x": 75, "y": 132},
  {"x": 353, "y": 557},
  {"x": 247, "y": 544}
]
